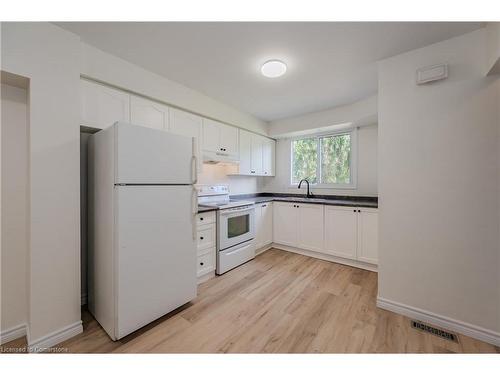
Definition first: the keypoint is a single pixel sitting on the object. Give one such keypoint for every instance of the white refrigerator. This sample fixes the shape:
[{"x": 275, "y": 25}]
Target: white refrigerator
[{"x": 142, "y": 206}]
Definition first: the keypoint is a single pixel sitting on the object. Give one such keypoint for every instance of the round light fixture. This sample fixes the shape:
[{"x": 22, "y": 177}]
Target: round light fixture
[{"x": 273, "y": 68}]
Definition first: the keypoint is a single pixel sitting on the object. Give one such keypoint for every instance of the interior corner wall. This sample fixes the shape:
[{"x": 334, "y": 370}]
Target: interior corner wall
[
  {"x": 14, "y": 230},
  {"x": 50, "y": 58},
  {"x": 439, "y": 184}
]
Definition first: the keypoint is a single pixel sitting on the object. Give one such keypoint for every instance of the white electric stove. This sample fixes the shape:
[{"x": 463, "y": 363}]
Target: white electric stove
[{"x": 235, "y": 226}]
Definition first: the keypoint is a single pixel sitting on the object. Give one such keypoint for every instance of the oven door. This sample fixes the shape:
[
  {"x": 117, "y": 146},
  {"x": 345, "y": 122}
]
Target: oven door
[{"x": 236, "y": 225}]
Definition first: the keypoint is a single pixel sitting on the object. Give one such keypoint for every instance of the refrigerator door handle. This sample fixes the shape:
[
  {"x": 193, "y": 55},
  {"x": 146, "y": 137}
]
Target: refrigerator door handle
[
  {"x": 194, "y": 205},
  {"x": 194, "y": 169}
]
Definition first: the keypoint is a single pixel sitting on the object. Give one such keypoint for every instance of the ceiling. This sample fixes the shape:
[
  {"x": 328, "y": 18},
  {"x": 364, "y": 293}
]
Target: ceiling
[{"x": 329, "y": 63}]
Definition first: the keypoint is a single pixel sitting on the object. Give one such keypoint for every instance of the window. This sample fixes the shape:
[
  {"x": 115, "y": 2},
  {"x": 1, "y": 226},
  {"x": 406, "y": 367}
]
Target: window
[{"x": 326, "y": 161}]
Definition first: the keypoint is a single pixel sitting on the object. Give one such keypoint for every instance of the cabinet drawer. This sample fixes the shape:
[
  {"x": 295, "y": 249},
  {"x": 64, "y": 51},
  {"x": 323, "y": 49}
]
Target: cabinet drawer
[
  {"x": 205, "y": 218},
  {"x": 206, "y": 263},
  {"x": 205, "y": 236}
]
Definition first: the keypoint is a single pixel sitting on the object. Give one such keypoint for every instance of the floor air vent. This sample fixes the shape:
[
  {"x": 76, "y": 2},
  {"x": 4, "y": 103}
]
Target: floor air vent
[{"x": 434, "y": 331}]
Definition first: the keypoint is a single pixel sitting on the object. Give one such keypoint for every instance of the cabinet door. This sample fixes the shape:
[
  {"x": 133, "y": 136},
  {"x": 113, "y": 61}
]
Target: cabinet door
[
  {"x": 311, "y": 226},
  {"x": 268, "y": 153},
  {"x": 102, "y": 106},
  {"x": 368, "y": 235},
  {"x": 210, "y": 135},
  {"x": 256, "y": 163},
  {"x": 259, "y": 235},
  {"x": 148, "y": 113},
  {"x": 229, "y": 140},
  {"x": 285, "y": 222},
  {"x": 245, "y": 152},
  {"x": 189, "y": 125},
  {"x": 341, "y": 231},
  {"x": 267, "y": 222}
]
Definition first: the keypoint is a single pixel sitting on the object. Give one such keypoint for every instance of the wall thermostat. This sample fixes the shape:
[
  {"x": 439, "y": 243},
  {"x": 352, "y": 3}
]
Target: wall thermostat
[{"x": 432, "y": 73}]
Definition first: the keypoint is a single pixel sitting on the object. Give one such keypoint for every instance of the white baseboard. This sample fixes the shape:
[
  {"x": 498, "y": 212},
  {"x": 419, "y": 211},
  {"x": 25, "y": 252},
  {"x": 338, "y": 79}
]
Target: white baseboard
[
  {"x": 263, "y": 249},
  {"x": 12, "y": 333},
  {"x": 329, "y": 258},
  {"x": 44, "y": 343},
  {"x": 209, "y": 275},
  {"x": 83, "y": 299},
  {"x": 458, "y": 326}
]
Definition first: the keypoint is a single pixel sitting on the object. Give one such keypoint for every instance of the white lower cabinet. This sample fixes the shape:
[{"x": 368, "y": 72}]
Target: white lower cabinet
[
  {"x": 206, "y": 245},
  {"x": 299, "y": 225},
  {"x": 367, "y": 250},
  {"x": 310, "y": 226},
  {"x": 344, "y": 232},
  {"x": 263, "y": 224},
  {"x": 285, "y": 221},
  {"x": 341, "y": 231}
]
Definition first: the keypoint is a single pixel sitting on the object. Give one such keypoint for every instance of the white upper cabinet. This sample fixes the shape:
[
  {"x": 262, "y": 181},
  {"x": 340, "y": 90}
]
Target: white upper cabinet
[
  {"x": 256, "y": 154},
  {"x": 148, "y": 113},
  {"x": 189, "y": 125},
  {"x": 245, "y": 152},
  {"x": 220, "y": 141},
  {"x": 310, "y": 227},
  {"x": 229, "y": 139},
  {"x": 368, "y": 235},
  {"x": 341, "y": 231},
  {"x": 102, "y": 106},
  {"x": 268, "y": 157}
]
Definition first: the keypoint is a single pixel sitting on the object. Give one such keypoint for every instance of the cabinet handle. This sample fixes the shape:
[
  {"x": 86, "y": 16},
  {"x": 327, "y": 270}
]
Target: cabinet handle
[
  {"x": 252, "y": 171},
  {"x": 264, "y": 205},
  {"x": 201, "y": 238},
  {"x": 201, "y": 218},
  {"x": 354, "y": 210},
  {"x": 359, "y": 210},
  {"x": 201, "y": 263}
]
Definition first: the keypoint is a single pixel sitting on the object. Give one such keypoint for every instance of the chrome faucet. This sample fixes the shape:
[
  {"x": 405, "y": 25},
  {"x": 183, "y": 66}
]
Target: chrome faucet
[{"x": 309, "y": 194}]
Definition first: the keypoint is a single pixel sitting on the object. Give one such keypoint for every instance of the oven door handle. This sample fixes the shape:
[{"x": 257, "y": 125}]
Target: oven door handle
[{"x": 229, "y": 211}]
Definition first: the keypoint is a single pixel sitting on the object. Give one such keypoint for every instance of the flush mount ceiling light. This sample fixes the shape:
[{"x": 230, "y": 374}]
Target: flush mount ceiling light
[{"x": 273, "y": 68}]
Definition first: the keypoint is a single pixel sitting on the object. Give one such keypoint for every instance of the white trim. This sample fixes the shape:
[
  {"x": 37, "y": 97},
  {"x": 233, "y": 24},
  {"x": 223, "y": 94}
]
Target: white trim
[
  {"x": 263, "y": 249},
  {"x": 56, "y": 337},
  {"x": 13, "y": 333},
  {"x": 353, "y": 165},
  {"x": 327, "y": 257},
  {"x": 206, "y": 276},
  {"x": 464, "y": 328}
]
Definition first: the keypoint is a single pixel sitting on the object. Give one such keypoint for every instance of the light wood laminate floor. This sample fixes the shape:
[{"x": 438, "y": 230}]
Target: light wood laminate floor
[{"x": 279, "y": 302}]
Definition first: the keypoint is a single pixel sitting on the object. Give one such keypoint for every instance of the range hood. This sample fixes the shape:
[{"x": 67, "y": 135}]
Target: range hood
[{"x": 211, "y": 157}]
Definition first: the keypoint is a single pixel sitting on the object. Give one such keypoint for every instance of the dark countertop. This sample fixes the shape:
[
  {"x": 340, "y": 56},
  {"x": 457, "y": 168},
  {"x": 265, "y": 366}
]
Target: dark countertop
[
  {"x": 331, "y": 200},
  {"x": 202, "y": 208}
]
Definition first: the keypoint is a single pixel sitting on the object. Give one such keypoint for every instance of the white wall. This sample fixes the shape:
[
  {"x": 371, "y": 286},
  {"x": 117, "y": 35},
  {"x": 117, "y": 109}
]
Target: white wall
[
  {"x": 360, "y": 113},
  {"x": 367, "y": 167},
  {"x": 439, "y": 183},
  {"x": 50, "y": 58},
  {"x": 113, "y": 70},
  {"x": 15, "y": 207},
  {"x": 219, "y": 174}
]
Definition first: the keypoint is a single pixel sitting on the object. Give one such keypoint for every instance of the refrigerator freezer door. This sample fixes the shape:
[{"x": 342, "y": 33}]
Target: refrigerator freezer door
[
  {"x": 152, "y": 156},
  {"x": 155, "y": 253}
]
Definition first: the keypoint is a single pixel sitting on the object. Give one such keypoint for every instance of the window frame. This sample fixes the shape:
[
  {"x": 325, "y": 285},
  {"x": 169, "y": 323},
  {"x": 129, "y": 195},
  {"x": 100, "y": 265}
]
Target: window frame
[{"x": 353, "y": 166}]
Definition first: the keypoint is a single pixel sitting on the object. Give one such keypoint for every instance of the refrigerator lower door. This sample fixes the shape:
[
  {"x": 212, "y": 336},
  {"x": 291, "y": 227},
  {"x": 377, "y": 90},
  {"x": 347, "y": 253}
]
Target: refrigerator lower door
[
  {"x": 152, "y": 156},
  {"x": 155, "y": 258}
]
